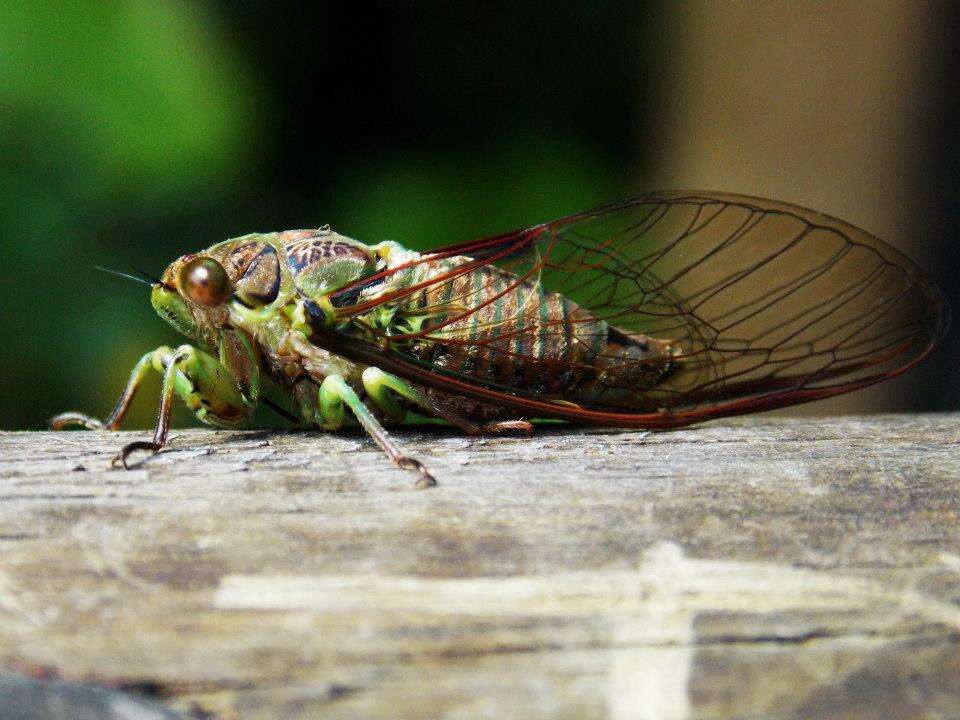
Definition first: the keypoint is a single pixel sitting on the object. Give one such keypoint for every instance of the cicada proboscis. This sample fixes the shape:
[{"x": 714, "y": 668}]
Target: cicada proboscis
[{"x": 654, "y": 312}]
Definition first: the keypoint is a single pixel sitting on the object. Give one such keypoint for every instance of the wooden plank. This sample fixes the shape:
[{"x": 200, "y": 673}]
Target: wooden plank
[{"x": 767, "y": 567}]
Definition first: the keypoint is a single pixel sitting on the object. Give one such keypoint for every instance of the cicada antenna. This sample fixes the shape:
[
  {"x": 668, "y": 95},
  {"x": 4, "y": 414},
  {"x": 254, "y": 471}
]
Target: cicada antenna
[
  {"x": 148, "y": 276},
  {"x": 124, "y": 275}
]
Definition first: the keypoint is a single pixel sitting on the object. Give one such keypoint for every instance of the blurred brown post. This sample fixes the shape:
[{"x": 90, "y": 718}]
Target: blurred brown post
[{"x": 817, "y": 103}]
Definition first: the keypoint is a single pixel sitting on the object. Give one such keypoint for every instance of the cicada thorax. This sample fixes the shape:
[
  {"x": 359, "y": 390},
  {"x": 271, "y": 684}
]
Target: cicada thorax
[
  {"x": 519, "y": 336},
  {"x": 322, "y": 261},
  {"x": 318, "y": 261}
]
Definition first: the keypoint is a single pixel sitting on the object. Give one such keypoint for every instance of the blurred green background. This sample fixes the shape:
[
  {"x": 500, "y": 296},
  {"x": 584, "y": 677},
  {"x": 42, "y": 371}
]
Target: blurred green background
[{"x": 132, "y": 132}]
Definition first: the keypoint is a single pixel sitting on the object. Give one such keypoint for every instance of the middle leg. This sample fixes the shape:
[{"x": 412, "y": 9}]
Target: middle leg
[{"x": 335, "y": 393}]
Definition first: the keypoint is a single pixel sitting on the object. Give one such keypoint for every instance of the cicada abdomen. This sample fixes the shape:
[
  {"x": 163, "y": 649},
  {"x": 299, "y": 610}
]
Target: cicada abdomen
[{"x": 521, "y": 337}]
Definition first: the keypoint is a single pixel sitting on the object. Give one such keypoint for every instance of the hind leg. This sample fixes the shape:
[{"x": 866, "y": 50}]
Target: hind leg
[{"x": 381, "y": 387}]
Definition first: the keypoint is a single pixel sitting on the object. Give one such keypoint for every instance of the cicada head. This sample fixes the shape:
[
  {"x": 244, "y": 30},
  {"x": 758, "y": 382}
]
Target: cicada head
[{"x": 195, "y": 290}]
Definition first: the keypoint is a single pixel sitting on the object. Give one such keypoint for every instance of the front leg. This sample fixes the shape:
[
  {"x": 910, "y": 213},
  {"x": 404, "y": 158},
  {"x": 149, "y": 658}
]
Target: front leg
[
  {"x": 206, "y": 386},
  {"x": 334, "y": 394}
]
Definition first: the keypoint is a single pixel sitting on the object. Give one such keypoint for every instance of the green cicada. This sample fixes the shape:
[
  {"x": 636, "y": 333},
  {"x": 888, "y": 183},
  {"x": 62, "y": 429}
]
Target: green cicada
[{"x": 654, "y": 312}]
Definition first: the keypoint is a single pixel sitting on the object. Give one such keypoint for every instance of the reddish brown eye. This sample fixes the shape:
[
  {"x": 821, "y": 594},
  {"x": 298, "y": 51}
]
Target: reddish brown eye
[{"x": 204, "y": 281}]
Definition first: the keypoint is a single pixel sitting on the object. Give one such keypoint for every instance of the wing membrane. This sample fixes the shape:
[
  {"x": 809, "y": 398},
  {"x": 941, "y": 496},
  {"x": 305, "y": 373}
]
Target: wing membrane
[{"x": 763, "y": 304}]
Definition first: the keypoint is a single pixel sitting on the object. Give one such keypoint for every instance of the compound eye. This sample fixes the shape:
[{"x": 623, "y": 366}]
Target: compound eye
[{"x": 205, "y": 282}]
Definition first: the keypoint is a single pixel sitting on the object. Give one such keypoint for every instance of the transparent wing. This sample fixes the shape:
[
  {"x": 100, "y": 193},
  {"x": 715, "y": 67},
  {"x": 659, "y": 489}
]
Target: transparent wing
[{"x": 762, "y": 304}]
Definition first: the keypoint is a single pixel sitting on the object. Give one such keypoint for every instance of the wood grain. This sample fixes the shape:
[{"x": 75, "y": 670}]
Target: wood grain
[{"x": 760, "y": 568}]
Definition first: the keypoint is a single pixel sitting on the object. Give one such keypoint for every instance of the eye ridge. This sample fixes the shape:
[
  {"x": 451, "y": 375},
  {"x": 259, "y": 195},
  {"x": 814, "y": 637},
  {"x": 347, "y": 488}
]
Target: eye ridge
[{"x": 204, "y": 281}]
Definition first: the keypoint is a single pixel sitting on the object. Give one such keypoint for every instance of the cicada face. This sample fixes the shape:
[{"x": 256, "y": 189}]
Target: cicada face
[{"x": 173, "y": 307}]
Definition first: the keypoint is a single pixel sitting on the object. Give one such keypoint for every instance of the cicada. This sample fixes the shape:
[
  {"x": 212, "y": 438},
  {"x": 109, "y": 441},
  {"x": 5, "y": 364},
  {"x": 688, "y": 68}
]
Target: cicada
[{"x": 654, "y": 312}]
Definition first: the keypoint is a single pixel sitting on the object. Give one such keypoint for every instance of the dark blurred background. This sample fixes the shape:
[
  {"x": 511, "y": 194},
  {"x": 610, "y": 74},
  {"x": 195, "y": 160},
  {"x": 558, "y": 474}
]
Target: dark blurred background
[{"x": 132, "y": 132}]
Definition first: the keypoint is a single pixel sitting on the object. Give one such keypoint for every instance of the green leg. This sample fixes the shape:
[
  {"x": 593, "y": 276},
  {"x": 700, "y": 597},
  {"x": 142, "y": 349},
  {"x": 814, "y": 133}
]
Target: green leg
[
  {"x": 206, "y": 386},
  {"x": 120, "y": 409},
  {"x": 334, "y": 394},
  {"x": 381, "y": 386}
]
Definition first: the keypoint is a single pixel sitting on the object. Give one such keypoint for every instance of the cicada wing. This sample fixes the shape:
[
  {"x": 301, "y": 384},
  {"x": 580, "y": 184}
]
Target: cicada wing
[{"x": 762, "y": 304}]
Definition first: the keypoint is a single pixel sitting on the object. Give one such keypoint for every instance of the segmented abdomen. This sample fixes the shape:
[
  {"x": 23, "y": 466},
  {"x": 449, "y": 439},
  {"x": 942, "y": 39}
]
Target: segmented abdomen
[{"x": 519, "y": 336}]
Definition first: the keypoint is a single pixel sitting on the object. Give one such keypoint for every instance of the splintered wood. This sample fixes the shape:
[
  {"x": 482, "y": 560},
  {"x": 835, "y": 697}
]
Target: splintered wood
[{"x": 759, "y": 568}]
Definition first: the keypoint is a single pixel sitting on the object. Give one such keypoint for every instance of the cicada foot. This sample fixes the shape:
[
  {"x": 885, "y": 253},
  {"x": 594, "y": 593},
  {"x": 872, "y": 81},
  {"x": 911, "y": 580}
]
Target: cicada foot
[
  {"x": 426, "y": 480},
  {"x": 120, "y": 459},
  {"x": 74, "y": 419}
]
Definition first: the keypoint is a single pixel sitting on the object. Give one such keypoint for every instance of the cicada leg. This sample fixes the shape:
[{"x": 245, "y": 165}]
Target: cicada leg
[
  {"x": 334, "y": 394},
  {"x": 207, "y": 387},
  {"x": 120, "y": 409},
  {"x": 381, "y": 385}
]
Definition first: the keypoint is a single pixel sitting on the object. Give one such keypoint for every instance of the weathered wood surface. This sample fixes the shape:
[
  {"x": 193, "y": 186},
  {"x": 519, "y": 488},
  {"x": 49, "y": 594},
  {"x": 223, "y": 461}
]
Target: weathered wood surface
[{"x": 759, "y": 568}]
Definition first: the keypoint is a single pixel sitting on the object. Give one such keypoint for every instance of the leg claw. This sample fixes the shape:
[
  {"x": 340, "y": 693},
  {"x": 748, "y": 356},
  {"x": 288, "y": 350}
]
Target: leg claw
[
  {"x": 120, "y": 459},
  {"x": 426, "y": 479}
]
